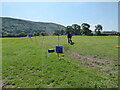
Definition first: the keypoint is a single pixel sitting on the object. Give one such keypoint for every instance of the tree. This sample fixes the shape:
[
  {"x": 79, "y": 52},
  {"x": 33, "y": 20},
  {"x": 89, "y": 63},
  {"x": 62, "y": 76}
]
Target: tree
[
  {"x": 62, "y": 32},
  {"x": 56, "y": 32},
  {"x": 36, "y": 34},
  {"x": 69, "y": 29},
  {"x": 44, "y": 33},
  {"x": 76, "y": 29},
  {"x": 98, "y": 28},
  {"x": 22, "y": 34},
  {"x": 85, "y": 29}
]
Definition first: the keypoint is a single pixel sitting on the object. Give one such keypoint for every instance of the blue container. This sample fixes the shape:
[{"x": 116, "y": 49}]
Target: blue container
[
  {"x": 59, "y": 49},
  {"x": 51, "y": 50}
]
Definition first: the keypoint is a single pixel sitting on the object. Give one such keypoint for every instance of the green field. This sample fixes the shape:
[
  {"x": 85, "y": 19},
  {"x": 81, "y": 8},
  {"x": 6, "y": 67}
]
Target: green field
[{"x": 90, "y": 63}]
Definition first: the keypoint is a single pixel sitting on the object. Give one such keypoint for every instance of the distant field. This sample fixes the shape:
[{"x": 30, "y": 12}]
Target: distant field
[{"x": 90, "y": 63}]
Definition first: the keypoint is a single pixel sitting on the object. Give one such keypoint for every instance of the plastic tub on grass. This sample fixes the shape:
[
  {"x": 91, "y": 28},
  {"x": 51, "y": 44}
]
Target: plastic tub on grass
[
  {"x": 59, "y": 49},
  {"x": 51, "y": 50}
]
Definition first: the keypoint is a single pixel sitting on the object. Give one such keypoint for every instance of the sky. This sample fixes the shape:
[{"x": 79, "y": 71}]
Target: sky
[{"x": 65, "y": 13}]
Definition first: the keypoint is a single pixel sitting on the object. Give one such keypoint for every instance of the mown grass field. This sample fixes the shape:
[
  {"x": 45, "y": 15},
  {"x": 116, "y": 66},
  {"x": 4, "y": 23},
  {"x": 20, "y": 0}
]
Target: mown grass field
[{"x": 27, "y": 64}]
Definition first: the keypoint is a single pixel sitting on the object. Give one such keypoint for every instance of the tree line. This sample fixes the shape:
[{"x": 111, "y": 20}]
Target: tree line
[
  {"x": 22, "y": 34},
  {"x": 83, "y": 29}
]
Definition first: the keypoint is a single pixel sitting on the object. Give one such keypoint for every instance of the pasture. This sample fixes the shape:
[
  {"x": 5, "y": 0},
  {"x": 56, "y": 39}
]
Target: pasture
[{"x": 92, "y": 62}]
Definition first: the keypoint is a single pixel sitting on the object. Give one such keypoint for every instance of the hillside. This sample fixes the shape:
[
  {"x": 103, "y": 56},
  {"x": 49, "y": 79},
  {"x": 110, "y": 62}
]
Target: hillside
[{"x": 16, "y": 26}]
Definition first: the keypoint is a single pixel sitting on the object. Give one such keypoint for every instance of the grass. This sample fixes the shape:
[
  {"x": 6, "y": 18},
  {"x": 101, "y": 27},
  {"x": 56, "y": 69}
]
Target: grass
[
  {"x": 101, "y": 47},
  {"x": 0, "y": 62},
  {"x": 27, "y": 64}
]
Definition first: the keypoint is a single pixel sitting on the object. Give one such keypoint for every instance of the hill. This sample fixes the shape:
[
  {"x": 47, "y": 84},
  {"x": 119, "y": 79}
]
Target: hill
[{"x": 16, "y": 26}]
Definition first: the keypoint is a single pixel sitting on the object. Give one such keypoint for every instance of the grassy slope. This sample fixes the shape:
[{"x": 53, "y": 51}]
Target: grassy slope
[
  {"x": 26, "y": 63},
  {"x": 13, "y": 25}
]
